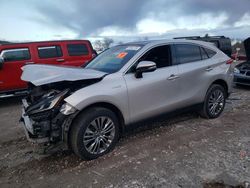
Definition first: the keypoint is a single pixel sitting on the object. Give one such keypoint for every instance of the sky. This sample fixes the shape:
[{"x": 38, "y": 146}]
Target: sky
[{"x": 122, "y": 20}]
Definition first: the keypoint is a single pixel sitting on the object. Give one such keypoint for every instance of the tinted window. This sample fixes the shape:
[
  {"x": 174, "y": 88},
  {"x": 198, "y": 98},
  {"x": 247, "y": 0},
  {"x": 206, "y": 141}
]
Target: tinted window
[
  {"x": 77, "y": 49},
  {"x": 49, "y": 51},
  {"x": 203, "y": 54},
  {"x": 187, "y": 53},
  {"x": 16, "y": 54},
  {"x": 210, "y": 53},
  {"x": 160, "y": 55}
]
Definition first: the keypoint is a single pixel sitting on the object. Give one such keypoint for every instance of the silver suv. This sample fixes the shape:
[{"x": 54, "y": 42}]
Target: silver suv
[{"x": 87, "y": 108}]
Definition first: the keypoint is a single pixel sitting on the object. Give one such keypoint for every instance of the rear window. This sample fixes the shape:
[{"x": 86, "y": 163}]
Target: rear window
[
  {"x": 187, "y": 53},
  {"x": 49, "y": 52},
  {"x": 210, "y": 53},
  {"x": 77, "y": 49},
  {"x": 16, "y": 54}
]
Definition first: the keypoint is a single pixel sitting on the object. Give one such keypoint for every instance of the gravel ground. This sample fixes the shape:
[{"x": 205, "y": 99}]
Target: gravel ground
[{"x": 180, "y": 151}]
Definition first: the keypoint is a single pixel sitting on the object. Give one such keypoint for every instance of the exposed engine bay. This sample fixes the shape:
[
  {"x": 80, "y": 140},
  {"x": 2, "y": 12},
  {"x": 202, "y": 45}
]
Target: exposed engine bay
[
  {"x": 244, "y": 68},
  {"x": 45, "y": 113}
]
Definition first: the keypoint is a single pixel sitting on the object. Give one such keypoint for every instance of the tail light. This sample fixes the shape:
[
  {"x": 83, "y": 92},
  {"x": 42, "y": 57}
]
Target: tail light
[{"x": 230, "y": 61}]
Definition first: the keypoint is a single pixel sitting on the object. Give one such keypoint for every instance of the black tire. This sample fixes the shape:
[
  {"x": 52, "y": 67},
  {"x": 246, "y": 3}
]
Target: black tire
[
  {"x": 206, "y": 108},
  {"x": 84, "y": 121}
]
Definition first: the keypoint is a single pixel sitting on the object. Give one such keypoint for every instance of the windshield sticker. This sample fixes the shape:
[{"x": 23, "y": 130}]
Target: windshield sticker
[
  {"x": 134, "y": 48},
  {"x": 121, "y": 55}
]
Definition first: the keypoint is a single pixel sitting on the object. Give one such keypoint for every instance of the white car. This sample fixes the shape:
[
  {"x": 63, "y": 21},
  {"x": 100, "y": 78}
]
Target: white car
[{"x": 87, "y": 108}]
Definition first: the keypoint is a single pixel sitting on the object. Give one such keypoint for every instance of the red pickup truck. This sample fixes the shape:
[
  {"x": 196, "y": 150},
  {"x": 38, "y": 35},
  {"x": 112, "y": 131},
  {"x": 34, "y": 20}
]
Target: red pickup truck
[{"x": 14, "y": 56}]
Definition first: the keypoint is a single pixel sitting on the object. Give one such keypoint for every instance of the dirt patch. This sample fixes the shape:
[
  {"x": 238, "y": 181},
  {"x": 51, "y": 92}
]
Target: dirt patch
[{"x": 178, "y": 151}]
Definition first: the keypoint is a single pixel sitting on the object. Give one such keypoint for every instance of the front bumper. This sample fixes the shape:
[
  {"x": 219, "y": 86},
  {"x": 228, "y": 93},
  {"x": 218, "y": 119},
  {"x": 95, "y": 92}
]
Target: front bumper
[{"x": 28, "y": 126}]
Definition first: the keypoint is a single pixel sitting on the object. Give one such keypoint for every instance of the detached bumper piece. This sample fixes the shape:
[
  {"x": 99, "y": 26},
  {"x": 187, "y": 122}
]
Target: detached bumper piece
[{"x": 41, "y": 127}]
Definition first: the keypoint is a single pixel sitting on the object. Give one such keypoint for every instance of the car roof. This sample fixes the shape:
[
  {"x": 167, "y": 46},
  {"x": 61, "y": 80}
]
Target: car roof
[
  {"x": 157, "y": 42},
  {"x": 34, "y": 42}
]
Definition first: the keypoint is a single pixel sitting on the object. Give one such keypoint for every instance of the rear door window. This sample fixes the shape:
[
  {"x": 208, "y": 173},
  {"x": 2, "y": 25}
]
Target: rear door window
[
  {"x": 77, "y": 49},
  {"x": 18, "y": 54},
  {"x": 49, "y": 52},
  {"x": 187, "y": 53},
  {"x": 204, "y": 53},
  {"x": 210, "y": 53}
]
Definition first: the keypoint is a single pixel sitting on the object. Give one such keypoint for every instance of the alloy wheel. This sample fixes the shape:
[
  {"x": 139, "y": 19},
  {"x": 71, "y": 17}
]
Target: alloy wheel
[
  {"x": 99, "y": 135},
  {"x": 216, "y": 102}
]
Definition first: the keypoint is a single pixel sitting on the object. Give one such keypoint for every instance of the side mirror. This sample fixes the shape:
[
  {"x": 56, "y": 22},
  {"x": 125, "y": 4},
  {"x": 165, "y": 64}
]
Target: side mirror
[
  {"x": 1, "y": 62},
  {"x": 144, "y": 66}
]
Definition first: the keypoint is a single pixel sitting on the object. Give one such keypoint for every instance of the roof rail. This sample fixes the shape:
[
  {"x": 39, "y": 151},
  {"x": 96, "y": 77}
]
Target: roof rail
[
  {"x": 188, "y": 37},
  {"x": 198, "y": 37}
]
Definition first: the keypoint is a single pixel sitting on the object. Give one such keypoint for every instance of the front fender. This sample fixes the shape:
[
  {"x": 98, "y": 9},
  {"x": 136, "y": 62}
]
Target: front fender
[{"x": 112, "y": 90}]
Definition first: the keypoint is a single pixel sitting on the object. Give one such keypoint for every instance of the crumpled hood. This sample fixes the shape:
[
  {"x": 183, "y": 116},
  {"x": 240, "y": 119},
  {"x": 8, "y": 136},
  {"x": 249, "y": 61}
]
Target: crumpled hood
[{"x": 45, "y": 74}]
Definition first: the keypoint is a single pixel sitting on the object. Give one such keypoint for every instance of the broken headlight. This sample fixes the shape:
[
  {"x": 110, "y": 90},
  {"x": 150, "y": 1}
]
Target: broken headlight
[
  {"x": 47, "y": 104},
  {"x": 67, "y": 109}
]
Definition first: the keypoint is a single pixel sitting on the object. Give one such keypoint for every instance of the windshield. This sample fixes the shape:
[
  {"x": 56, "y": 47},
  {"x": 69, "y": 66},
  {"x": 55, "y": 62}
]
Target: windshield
[{"x": 113, "y": 59}]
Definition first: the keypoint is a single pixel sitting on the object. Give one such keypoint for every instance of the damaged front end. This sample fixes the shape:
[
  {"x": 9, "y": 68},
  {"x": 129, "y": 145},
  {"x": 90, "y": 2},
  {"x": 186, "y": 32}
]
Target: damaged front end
[{"x": 45, "y": 115}]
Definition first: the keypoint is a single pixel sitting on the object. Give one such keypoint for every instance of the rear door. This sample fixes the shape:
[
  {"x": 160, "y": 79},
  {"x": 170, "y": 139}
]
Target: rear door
[
  {"x": 51, "y": 53},
  {"x": 77, "y": 53},
  {"x": 192, "y": 64},
  {"x": 11, "y": 71}
]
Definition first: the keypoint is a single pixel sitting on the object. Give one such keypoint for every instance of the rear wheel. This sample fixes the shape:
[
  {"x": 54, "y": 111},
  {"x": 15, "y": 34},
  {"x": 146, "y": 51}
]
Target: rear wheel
[
  {"x": 94, "y": 133},
  {"x": 214, "y": 102}
]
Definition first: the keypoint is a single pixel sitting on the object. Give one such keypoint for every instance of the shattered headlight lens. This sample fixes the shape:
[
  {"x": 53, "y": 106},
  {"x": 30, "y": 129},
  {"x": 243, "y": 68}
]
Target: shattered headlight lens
[
  {"x": 47, "y": 104},
  {"x": 67, "y": 109}
]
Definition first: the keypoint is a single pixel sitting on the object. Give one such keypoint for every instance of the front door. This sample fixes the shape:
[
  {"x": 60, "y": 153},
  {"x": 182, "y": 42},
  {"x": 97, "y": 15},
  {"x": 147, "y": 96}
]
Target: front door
[
  {"x": 156, "y": 92},
  {"x": 11, "y": 71}
]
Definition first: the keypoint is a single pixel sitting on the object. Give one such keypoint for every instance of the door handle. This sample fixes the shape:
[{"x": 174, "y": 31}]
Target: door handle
[
  {"x": 28, "y": 63},
  {"x": 60, "y": 60},
  {"x": 172, "y": 77},
  {"x": 209, "y": 69}
]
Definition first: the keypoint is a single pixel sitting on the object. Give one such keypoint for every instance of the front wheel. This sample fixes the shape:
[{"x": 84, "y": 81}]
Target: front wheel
[
  {"x": 94, "y": 133},
  {"x": 214, "y": 102}
]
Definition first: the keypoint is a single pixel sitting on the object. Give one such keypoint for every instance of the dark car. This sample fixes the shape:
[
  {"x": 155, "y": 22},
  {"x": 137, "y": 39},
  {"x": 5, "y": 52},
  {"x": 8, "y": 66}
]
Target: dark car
[
  {"x": 221, "y": 42},
  {"x": 242, "y": 71}
]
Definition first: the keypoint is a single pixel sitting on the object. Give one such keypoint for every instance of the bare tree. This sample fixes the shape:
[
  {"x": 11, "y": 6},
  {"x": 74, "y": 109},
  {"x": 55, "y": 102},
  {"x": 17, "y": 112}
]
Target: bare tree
[
  {"x": 101, "y": 45},
  {"x": 98, "y": 46},
  {"x": 107, "y": 42}
]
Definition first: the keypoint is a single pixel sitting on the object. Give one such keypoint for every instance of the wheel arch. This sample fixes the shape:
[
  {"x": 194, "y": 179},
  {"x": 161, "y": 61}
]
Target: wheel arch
[
  {"x": 107, "y": 105},
  {"x": 223, "y": 83}
]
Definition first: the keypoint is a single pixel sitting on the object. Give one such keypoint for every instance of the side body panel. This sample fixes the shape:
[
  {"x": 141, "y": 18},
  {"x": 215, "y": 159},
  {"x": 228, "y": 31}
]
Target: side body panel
[
  {"x": 112, "y": 89},
  {"x": 196, "y": 77},
  {"x": 152, "y": 94}
]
